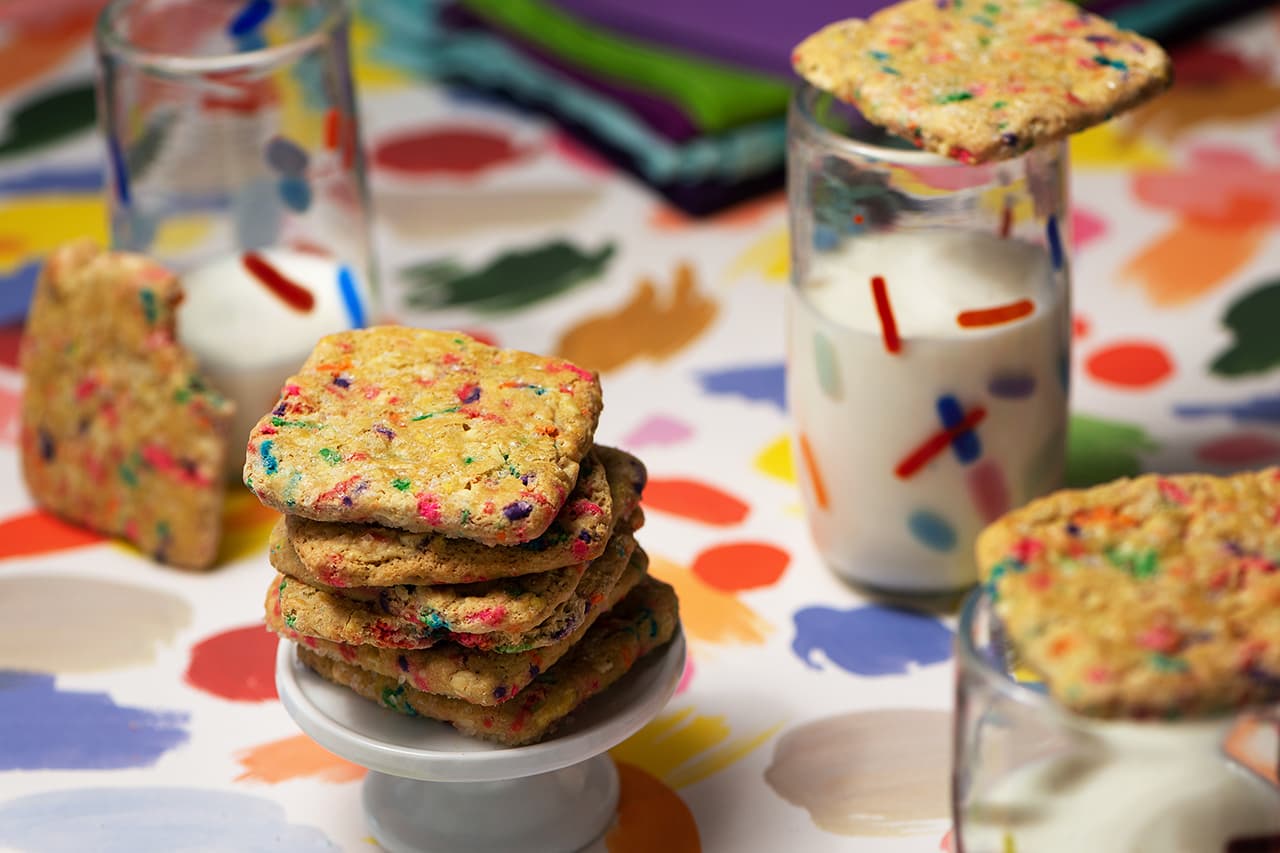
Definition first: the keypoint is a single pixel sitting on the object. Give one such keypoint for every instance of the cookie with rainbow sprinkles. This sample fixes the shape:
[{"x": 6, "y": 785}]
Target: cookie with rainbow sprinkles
[
  {"x": 426, "y": 431},
  {"x": 1152, "y": 597},
  {"x": 979, "y": 81}
]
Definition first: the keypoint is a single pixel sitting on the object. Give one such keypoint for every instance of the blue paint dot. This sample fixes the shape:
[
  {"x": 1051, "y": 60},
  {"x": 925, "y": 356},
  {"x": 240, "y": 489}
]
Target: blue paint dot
[
  {"x": 286, "y": 156},
  {"x": 870, "y": 640},
  {"x": 257, "y": 213},
  {"x": 250, "y": 17},
  {"x": 350, "y": 294},
  {"x": 825, "y": 238},
  {"x": 295, "y": 193},
  {"x": 932, "y": 530},
  {"x": 766, "y": 383},
  {"x": 1012, "y": 385},
  {"x": 50, "y": 729},
  {"x": 966, "y": 445},
  {"x": 16, "y": 290},
  {"x": 1056, "y": 255}
]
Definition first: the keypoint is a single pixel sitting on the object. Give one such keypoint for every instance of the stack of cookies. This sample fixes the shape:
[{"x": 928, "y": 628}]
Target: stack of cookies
[{"x": 454, "y": 545}]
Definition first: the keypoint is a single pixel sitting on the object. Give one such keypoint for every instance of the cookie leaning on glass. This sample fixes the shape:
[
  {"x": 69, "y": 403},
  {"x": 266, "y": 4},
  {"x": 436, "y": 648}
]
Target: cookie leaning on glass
[{"x": 1152, "y": 597}]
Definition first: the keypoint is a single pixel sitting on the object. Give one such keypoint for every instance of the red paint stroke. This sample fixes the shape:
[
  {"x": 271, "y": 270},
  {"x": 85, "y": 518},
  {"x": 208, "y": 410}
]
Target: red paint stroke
[
  {"x": 1246, "y": 448},
  {"x": 239, "y": 664},
  {"x": 988, "y": 489},
  {"x": 282, "y": 287},
  {"x": 39, "y": 532},
  {"x": 937, "y": 443},
  {"x": 1080, "y": 326},
  {"x": 997, "y": 316},
  {"x": 815, "y": 476},
  {"x": 888, "y": 324},
  {"x": 332, "y": 128},
  {"x": 1205, "y": 65},
  {"x": 741, "y": 565},
  {"x": 10, "y": 343},
  {"x": 447, "y": 150},
  {"x": 694, "y": 500},
  {"x": 1131, "y": 364}
]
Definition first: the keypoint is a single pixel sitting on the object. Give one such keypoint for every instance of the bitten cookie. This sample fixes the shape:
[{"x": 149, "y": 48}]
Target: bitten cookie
[
  {"x": 481, "y": 678},
  {"x": 645, "y": 620},
  {"x": 119, "y": 433},
  {"x": 1158, "y": 596},
  {"x": 330, "y": 616},
  {"x": 979, "y": 82},
  {"x": 510, "y": 604},
  {"x": 426, "y": 431},
  {"x": 345, "y": 555}
]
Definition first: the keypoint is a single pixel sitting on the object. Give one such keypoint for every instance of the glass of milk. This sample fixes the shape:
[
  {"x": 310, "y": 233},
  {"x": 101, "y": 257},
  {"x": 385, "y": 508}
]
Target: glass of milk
[
  {"x": 233, "y": 157},
  {"x": 929, "y": 330},
  {"x": 1032, "y": 777}
]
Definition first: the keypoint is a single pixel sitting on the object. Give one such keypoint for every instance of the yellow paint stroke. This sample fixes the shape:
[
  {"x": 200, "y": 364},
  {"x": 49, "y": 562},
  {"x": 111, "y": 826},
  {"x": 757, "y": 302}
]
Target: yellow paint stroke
[
  {"x": 369, "y": 73},
  {"x": 246, "y": 524},
  {"x": 650, "y": 817},
  {"x": 645, "y": 326},
  {"x": 1192, "y": 259},
  {"x": 294, "y": 758},
  {"x": 775, "y": 460},
  {"x": 31, "y": 228},
  {"x": 707, "y": 613},
  {"x": 769, "y": 257},
  {"x": 682, "y": 749},
  {"x": 1107, "y": 146}
]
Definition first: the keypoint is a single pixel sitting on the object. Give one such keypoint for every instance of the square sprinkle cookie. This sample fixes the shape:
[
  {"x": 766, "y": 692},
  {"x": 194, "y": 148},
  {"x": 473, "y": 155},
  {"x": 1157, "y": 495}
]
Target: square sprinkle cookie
[
  {"x": 119, "y": 432},
  {"x": 980, "y": 81},
  {"x": 426, "y": 431}
]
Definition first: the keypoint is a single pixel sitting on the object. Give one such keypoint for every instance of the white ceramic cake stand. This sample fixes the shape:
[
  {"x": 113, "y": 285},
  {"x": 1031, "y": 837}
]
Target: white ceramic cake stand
[{"x": 432, "y": 789}]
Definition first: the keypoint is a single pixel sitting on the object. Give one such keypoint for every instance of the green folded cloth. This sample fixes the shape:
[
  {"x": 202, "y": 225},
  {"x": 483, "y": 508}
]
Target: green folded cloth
[{"x": 716, "y": 97}]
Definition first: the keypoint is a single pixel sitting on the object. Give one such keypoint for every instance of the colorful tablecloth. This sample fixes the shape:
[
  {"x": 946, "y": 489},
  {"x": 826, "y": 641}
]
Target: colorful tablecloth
[{"x": 137, "y": 706}]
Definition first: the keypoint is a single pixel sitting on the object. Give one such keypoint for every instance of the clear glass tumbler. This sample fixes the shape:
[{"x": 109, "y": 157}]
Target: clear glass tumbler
[
  {"x": 234, "y": 159},
  {"x": 929, "y": 333},
  {"x": 1032, "y": 777}
]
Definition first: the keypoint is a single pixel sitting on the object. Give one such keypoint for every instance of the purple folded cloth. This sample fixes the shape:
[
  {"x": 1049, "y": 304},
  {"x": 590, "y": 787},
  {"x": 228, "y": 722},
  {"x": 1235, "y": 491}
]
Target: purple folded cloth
[
  {"x": 758, "y": 36},
  {"x": 661, "y": 115}
]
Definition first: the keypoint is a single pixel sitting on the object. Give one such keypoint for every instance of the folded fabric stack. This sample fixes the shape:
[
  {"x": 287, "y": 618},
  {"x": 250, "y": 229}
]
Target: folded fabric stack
[
  {"x": 454, "y": 545},
  {"x": 688, "y": 97}
]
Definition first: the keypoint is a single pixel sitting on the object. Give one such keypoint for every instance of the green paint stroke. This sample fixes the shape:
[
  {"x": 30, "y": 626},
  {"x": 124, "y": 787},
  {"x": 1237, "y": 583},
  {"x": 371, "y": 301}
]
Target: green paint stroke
[
  {"x": 49, "y": 118},
  {"x": 1100, "y": 450},
  {"x": 1253, "y": 320},
  {"x": 513, "y": 280}
]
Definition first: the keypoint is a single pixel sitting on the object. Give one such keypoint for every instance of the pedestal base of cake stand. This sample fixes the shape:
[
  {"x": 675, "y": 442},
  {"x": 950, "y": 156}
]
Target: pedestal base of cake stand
[{"x": 432, "y": 789}]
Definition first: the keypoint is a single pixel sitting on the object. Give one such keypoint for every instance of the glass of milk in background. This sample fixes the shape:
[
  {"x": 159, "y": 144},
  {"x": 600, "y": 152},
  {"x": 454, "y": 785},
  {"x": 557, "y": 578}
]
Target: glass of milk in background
[
  {"x": 929, "y": 330},
  {"x": 233, "y": 158},
  {"x": 1031, "y": 777}
]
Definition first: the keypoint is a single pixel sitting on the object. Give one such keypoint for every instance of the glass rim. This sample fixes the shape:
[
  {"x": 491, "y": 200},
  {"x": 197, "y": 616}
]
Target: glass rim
[
  {"x": 109, "y": 41},
  {"x": 802, "y": 100},
  {"x": 969, "y": 660}
]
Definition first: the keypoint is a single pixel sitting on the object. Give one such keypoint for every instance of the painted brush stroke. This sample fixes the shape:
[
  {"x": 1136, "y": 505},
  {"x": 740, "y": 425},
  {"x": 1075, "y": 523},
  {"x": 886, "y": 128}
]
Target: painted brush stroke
[
  {"x": 1251, "y": 320},
  {"x": 650, "y": 817},
  {"x": 128, "y": 820},
  {"x": 45, "y": 728},
  {"x": 1099, "y": 450},
  {"x": 870, "y": 641},
  {"x": 645, "y": 326},
  {"x": 100, "y": 625},
  {"x": 707, "y": 614},
  {"x": 763, "y": 383},
  {"x": 868, "y": 773},
  {"x": 238, "y": 664},
  {"x": 297, "y": 757},
  {"x": 684, "y": 747}
]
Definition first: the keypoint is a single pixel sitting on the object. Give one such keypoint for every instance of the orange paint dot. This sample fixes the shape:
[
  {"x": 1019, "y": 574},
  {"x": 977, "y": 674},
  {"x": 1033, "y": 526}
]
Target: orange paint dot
[
  {"x": 650, "y": 817},
  {"x": 295, "y": 757},
  {"x": 39, "y": 532},
  {"x": 694, "y": 500},
  {"x": 815, "y": 476},
  {"x": 1132, "y": 364},
  {"x": 995, "y": 316},
  {"x": 741, "y": 565},
  {"x": 1079, "y": 326}
]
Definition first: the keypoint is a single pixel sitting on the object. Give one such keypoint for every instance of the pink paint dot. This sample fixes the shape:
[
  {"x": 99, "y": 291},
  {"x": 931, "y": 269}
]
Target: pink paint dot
[
  {"x": 1085, "y": 228},
  {"x": 658, "y": 430},
  {"x": 988, "y": 489}
]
